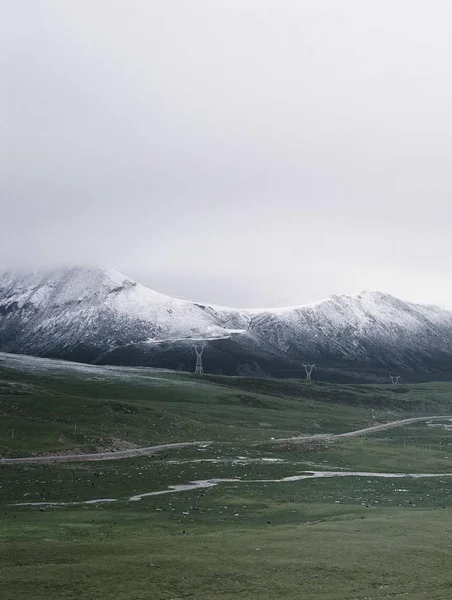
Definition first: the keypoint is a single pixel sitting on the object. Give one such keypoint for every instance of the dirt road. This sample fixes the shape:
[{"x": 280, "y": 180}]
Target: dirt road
[
  {"x": 358, "y": 432},
  {"x": 100, "y": 455},
  {"x": 164, "y": 447}
]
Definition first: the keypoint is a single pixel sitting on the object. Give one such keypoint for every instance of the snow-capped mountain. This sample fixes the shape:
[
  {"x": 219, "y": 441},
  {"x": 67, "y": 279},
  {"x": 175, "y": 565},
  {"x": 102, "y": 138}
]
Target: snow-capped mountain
[
  {"x": 42, "y": 312},
  {"x": 98, "y": 315}
]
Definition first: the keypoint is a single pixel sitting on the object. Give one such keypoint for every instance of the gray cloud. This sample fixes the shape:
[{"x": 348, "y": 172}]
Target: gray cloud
[{"x": 245, "y": 153}]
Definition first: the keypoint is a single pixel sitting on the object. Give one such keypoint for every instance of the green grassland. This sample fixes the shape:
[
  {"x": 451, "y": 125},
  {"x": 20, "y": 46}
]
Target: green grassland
[
  {"x": 321, "y": 552},
  {"x": 68, "y": 409},
  {"x": 249, "y": 536}
]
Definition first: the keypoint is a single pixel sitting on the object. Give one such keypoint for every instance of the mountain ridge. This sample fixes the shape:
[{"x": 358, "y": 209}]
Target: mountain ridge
[
  {"x": 99, "y": 315},
  {"x": 118, "y": 277}
]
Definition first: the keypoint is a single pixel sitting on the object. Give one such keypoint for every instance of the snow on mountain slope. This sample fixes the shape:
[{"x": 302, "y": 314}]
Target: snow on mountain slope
[
  {"x": 368, "y": 328},
  {"x": 101, "y": 305},
  {"x": 99, "y": 315}
]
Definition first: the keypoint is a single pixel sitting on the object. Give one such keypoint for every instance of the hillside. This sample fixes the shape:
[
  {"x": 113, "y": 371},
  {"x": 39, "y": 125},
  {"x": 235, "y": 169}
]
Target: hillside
[
  {"x": 50, "y": 406},
  {"x": 100, "y": 316}
]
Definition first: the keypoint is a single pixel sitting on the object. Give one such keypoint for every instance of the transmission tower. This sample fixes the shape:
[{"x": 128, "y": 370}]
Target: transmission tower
[
  {"x": 394, "y": 379},
  {"x": 199, "y": 370},
  {"x": 308, "y": 369}
]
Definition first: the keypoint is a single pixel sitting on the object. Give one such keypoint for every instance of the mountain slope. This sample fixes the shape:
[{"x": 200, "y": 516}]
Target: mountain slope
[
  {"x": 370, "y": 329},
  {"x": 49, "y": 310},
  {"x": 98, "y": 315}
]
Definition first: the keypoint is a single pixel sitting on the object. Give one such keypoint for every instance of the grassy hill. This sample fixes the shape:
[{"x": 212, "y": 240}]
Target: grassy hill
[{"x": 50, "y": 406}]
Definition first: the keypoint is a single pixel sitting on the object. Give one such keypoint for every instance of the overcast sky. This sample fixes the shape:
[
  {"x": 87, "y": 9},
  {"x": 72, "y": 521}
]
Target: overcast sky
[{"x": 242, "y": 152}]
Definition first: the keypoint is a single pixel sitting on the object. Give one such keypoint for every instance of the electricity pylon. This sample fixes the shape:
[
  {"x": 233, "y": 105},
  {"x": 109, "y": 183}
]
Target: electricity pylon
[
  {"x": 199, "y": 370},
  {"x": 308, "y": 369}
]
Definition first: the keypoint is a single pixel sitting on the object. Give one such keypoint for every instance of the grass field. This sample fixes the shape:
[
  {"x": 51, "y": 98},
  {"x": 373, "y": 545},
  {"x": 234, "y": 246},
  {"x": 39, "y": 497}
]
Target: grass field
[{"x": 248, "y": 535}]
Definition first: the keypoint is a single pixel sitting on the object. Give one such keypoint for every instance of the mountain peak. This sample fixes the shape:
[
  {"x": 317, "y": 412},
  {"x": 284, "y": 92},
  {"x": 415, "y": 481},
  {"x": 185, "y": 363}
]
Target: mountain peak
[{"x": 376, "y": 295}]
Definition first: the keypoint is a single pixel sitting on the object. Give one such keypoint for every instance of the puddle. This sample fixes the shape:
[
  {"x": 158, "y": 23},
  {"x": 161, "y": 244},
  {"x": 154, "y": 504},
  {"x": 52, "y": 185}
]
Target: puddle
[
  {"x": 444, "y": 426},
  {"x": 95, "y": 501}
]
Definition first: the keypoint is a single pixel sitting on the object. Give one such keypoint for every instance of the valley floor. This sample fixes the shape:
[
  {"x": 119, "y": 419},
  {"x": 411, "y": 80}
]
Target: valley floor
[{"x": 328, "y": 518}]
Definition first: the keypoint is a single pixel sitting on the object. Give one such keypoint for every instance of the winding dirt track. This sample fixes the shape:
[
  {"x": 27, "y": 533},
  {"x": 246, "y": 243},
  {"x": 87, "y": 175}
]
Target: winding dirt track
[
  {"x": 163, "y": 447},
  {"x": 358, "y": 432},
  {"x": 100, "y": 455}
]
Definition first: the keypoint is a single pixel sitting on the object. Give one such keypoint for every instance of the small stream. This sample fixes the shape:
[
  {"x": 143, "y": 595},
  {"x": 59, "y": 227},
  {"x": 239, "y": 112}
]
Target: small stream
[{"x": 208, "y": 483}]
